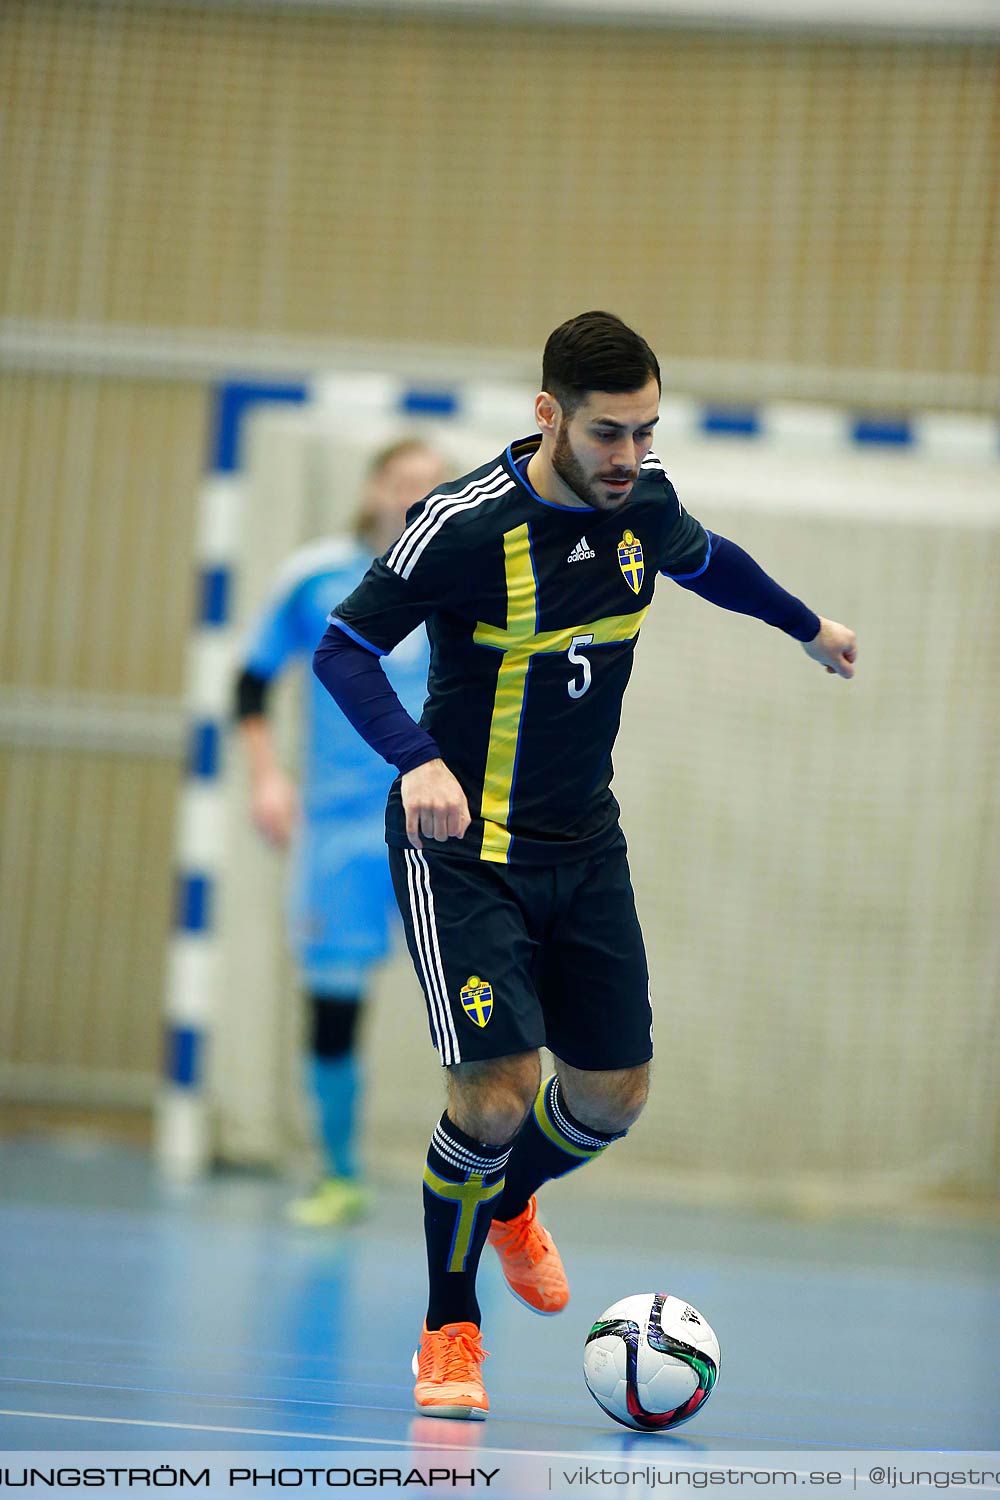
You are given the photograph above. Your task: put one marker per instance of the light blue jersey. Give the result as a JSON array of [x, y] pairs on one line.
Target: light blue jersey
[[341, 903]]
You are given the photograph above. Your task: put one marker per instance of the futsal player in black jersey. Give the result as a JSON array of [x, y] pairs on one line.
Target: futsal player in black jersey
[[533, 575]]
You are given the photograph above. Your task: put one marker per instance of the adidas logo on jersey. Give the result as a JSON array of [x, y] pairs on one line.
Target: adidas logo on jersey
[[581, 551]]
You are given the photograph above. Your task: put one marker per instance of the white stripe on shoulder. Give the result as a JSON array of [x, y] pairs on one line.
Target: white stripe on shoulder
[[654, 465], [430, 505], [447, 512], [437, 510]]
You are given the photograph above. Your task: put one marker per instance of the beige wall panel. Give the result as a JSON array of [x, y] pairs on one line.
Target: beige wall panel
[[741, 197], [96, 562], [828, 882], [86, 865]]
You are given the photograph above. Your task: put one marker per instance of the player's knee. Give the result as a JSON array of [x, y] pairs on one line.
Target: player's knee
[[608, 1102], [489, 1101], [629, 1104]]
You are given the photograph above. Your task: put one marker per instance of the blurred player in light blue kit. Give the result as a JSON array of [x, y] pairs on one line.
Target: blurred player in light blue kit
[[341, 909]]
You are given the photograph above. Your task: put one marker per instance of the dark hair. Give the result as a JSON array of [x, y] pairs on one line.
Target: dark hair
[[595, 351]]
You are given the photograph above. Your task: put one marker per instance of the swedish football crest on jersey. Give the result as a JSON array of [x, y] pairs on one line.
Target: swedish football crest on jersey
[[630, 560], [477, 999]]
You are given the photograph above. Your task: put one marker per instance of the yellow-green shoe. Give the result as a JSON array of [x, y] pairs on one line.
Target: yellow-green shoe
[[335, 1200]]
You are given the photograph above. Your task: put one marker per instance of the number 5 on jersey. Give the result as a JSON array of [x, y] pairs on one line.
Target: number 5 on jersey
[[577, 689]]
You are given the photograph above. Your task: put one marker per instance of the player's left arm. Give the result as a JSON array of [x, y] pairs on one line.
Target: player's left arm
[[723, 573], [834, 647]]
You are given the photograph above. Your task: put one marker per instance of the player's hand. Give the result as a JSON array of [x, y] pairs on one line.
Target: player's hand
[[434, 803], [275, 807], [834, 647]]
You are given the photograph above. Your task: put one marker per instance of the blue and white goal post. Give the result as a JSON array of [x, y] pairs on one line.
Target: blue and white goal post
[[243, 532], [286, 461]]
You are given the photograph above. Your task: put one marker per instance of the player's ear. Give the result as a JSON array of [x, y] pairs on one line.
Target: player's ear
[[547, 413]]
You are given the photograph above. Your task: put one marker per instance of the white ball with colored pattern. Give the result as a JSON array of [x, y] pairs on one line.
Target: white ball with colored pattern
[[651, 1361]]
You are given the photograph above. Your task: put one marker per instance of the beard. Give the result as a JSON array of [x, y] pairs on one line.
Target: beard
[[586, 487]]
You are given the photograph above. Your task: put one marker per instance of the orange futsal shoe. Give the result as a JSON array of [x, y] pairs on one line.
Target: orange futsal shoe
[[447, 1369], [530, 1261]]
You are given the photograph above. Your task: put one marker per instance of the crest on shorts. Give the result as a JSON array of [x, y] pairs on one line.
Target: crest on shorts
[[477, 999], [630, 560]]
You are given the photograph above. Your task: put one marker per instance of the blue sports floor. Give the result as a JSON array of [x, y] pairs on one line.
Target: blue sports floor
[[137, 1318]]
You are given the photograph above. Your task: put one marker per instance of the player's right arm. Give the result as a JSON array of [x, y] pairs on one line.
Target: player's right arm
[[434, 803], [420, 573]]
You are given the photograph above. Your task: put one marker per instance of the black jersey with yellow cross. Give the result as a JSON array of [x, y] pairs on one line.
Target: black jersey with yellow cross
[[533, 610]]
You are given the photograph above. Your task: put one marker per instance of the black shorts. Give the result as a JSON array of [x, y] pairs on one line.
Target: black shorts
[[512, 958]]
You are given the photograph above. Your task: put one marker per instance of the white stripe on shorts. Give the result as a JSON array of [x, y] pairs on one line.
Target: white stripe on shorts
[[425, 933]]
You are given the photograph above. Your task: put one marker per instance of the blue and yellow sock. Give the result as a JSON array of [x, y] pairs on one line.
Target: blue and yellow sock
[[463, 1179], [550, 1143]]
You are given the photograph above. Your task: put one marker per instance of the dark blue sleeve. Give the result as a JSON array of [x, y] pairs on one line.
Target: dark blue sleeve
[[352, 675], [731, 579]]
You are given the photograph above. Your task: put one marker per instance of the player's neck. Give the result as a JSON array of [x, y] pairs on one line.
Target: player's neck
[[546, 482]]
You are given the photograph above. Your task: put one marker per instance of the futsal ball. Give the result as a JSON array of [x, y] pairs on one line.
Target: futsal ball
[[651, 1361]]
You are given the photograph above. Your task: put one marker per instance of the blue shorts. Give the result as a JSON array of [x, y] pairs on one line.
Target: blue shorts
[[341, 909]]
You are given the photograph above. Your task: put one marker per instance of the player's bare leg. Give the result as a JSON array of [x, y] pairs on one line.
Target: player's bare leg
[[490, 1100], [609, 1102], [574, 1117]]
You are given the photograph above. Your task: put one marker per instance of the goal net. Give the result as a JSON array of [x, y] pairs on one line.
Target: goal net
[[815, 861]]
